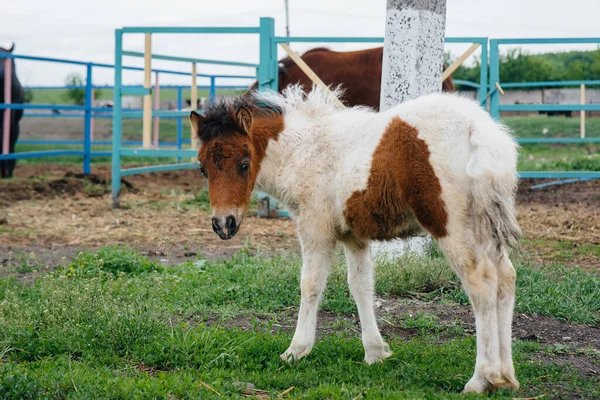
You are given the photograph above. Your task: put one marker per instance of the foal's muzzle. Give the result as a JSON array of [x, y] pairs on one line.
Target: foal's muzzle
[[225, 227]]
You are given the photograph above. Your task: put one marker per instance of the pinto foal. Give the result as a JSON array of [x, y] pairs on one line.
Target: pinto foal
[[438, 163]]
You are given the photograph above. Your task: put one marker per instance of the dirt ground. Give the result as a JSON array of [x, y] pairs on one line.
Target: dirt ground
[[52, 211], [68, 129]]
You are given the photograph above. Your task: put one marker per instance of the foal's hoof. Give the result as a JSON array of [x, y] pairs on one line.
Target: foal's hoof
[[378, 353], [477, 385], [293, 355], [492, 382]]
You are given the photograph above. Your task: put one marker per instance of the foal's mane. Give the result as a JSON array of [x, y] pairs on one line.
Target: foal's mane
[[220, 117], [294, 98]]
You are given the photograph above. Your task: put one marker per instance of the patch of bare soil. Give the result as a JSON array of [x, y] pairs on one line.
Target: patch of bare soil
[[566, 212], [69, 129], [69, 185], [155, 225], [586, 192], [64, 212], [551, 216]]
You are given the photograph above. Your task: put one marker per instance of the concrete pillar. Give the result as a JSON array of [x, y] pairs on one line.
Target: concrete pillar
[[413, 53], [413, 50]]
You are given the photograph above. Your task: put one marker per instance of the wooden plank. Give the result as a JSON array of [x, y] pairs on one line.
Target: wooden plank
[[459, 61], [194, 101], [156, 95], [582, 113], [147, 107]]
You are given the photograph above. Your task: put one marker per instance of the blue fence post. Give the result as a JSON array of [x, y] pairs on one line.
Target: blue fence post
[[212, 94], [266, 72], [483, 74], [179, 120], [494, 77], [267, 79], [274, 66], [117, 120], [87, 122]]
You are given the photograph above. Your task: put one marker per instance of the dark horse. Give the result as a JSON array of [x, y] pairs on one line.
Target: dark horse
[[17, 97], [359, 73]]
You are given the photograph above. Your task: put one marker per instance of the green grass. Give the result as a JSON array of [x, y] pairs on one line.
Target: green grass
[[148, 332], [533, 126], [114, 260], [78, 160], [556, 157], [559, 157], [562, 251], [200, 200]]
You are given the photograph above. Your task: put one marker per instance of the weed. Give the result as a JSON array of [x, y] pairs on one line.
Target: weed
[[114, 260]]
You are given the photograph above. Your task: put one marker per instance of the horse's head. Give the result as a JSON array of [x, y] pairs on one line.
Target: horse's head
[[234, 137]]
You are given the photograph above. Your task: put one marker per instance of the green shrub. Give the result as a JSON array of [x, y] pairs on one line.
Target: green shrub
[[113, 259], [16, 384]]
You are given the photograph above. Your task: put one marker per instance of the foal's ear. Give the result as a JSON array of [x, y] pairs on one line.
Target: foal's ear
[[244, 119], [197, 122]]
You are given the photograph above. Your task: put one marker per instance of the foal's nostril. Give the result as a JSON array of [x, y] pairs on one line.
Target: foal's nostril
[[225, 227], [215, 224], [230, 224]]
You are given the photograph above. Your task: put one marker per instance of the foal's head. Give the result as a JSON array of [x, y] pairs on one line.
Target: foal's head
[[233, 139]]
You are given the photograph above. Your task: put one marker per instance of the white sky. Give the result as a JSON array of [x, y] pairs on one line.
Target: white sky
[[84, 30]]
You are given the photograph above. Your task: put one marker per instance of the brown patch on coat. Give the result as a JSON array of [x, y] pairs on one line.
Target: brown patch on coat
[[402, 186], [264, 129], [222, 156]]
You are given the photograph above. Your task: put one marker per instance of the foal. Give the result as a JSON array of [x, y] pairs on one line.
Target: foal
[[438, 164]]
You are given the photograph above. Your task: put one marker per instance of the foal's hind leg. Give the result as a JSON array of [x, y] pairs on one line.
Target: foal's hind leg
[[360, 280], [506, 301], [480, 281]]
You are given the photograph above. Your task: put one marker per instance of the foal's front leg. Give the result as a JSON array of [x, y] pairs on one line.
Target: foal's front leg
[[317, 254], [360, 281]]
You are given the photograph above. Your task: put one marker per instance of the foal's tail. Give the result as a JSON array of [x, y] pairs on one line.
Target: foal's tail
[[492, 167]]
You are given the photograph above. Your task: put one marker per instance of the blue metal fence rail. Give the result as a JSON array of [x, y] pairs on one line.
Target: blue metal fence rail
[[496, 108], [119, 90], [88, 111]]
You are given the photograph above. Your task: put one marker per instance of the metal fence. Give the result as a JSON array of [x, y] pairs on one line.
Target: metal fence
[[495, 87], [265, 71], [87, 111]]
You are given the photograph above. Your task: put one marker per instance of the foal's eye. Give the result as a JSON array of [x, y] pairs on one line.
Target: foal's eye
[[202, 170], [245, 167]]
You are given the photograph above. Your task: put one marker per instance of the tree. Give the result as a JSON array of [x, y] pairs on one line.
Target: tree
[[518, 66], [28, 96], [76, 91]]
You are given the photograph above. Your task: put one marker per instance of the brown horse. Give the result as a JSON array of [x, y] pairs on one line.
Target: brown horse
[[17, 96], [359, 73]]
